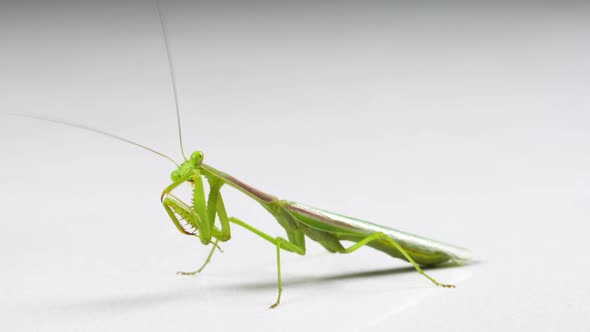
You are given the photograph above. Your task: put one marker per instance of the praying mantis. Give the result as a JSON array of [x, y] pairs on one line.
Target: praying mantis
[[205, 215]]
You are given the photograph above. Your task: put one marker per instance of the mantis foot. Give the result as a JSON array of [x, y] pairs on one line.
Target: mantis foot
[[194, 273], [446, 285]]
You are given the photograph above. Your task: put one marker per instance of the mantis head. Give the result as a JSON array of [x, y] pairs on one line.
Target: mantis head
[[188, 166]]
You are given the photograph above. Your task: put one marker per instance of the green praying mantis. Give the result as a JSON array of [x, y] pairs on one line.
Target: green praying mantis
[[206, 217]]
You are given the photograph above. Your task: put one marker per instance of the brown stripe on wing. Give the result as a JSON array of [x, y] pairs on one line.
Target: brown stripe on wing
[[261, 195], [318, 216]]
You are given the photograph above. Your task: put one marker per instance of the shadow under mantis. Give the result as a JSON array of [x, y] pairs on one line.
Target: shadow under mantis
[[144, 300]]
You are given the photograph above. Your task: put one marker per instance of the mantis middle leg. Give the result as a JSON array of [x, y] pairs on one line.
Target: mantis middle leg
[[280, 243]]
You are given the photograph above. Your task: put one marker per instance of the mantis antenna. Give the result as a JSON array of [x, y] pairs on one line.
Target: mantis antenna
[[172, 76], [94, 130], [104, 133]]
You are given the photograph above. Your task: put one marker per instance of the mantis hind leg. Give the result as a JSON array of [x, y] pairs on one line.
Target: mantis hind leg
[[281, 243], [390, 241]]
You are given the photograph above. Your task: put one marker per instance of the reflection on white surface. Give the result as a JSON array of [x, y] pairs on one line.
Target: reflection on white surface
[[456, 277]]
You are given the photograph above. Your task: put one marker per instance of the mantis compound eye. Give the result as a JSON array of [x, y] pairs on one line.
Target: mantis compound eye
[[197, 157], [175, 175]]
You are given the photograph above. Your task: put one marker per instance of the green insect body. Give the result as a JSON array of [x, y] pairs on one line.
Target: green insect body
[[298, 220]]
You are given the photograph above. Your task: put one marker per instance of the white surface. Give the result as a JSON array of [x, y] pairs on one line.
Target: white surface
[[466, 124]]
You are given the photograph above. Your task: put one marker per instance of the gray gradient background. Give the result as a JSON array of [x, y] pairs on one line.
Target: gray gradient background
[[465, 122]]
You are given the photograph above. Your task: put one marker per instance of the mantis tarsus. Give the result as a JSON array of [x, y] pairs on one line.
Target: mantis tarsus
[[207, 217]]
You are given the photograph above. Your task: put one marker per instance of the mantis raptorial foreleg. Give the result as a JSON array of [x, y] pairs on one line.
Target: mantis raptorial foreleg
[[197, 215], [280, 243], [200, 207], [220, 235], [172, 203], [384, 237]]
